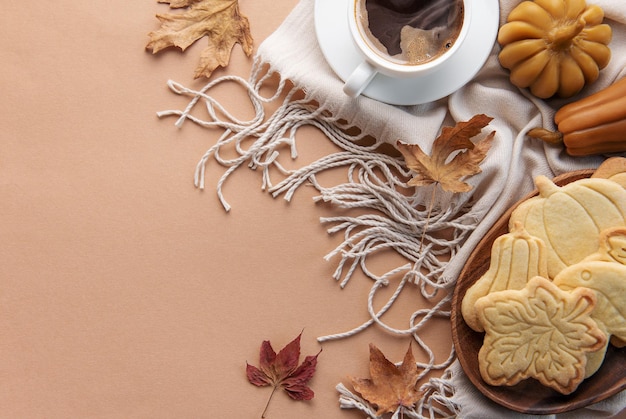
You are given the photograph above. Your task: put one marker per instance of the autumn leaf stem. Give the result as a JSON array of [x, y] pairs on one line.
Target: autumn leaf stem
[[268, 402], [430, 210]]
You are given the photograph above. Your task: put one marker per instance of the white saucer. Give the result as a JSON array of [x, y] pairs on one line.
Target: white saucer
[[333, 35]]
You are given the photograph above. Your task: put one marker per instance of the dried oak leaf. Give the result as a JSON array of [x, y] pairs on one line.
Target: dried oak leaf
[[539, 331], [218, 20], [390, 386], [444, 166], [282, 370]]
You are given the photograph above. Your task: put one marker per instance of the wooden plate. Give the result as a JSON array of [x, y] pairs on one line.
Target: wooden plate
[[529, 396]]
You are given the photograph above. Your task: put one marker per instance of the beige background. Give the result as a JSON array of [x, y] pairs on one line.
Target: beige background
[[125, 292]]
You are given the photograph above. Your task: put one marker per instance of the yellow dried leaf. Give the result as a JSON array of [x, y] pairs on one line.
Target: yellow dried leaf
[[218, 20], [444, 166]]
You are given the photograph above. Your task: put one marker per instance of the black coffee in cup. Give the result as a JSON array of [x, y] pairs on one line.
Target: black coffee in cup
[[410, 32]]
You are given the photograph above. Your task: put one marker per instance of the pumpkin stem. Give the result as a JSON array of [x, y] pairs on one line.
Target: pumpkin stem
[[561, 37], [545, 186], [550, 137], [519, 231]]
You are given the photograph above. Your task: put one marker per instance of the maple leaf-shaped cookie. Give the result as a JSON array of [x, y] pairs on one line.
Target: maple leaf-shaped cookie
[[389, 387], [282, 370], [540, 331], [444, 166], [218, 20]]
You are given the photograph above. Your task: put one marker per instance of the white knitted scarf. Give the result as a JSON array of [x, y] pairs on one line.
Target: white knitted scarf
[[394, 216]]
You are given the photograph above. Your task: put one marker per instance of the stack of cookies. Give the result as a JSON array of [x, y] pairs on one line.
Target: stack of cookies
[[554, 296]]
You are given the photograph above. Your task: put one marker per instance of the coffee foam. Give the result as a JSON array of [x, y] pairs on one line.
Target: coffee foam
[[409, 37]]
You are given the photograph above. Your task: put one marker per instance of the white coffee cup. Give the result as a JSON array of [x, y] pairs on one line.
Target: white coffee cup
[[424, 59]]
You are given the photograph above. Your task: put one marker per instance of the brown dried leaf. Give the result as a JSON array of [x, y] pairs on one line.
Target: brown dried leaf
[[175, 4], [444, 166], [218, 20], [389, 387]]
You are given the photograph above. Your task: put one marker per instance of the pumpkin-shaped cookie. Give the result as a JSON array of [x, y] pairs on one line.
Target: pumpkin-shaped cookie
[[570, 219], [516, 257], [605, 272], [613, 168], [608, 280], [554, 47]]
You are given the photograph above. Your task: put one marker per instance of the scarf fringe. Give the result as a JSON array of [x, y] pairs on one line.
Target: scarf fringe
[[436, 403], [424, 226]]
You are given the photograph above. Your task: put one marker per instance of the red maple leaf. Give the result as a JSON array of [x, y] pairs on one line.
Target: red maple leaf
[[282, 370]]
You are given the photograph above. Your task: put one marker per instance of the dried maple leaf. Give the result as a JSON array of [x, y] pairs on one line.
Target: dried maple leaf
[[218, 20], [282, 370], [390, 387], [175, 4], [441, 167], [539, 331]]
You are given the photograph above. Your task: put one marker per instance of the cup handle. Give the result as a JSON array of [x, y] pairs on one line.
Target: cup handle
[[359, 79]]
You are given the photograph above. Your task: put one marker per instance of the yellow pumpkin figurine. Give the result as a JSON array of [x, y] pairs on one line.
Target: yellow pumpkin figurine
[[554, 47]]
